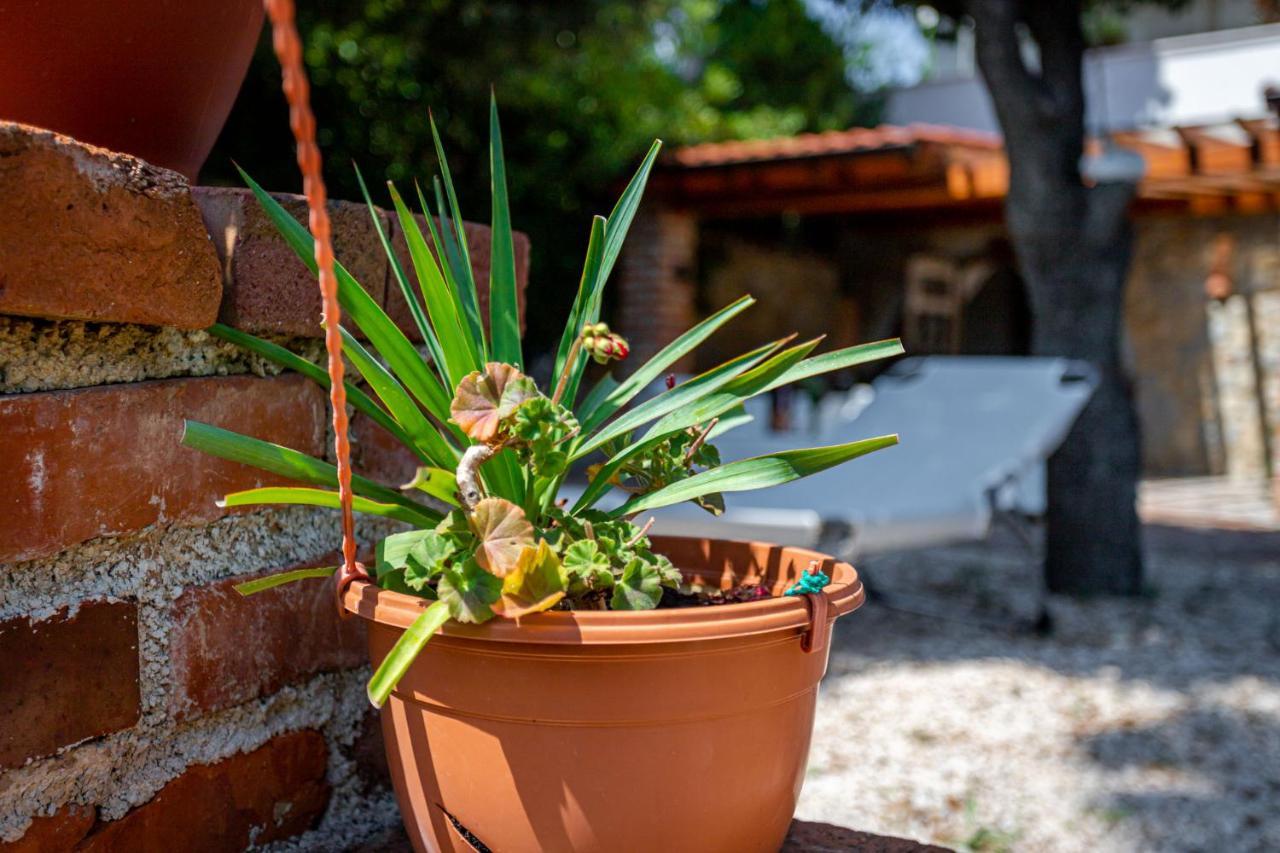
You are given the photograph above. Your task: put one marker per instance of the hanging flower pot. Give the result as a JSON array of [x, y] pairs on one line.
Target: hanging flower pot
[[152, 78], [552, 678], [673, 730]]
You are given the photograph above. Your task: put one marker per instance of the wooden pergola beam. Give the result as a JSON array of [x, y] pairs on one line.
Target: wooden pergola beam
[[1194, 166]]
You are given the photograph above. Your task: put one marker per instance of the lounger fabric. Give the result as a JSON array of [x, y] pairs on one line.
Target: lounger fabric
[[975, 435]]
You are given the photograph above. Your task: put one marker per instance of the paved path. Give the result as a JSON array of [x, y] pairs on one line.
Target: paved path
[[1209, 502]]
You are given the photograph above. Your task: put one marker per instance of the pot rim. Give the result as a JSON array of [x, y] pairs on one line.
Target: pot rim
[[845, 593]]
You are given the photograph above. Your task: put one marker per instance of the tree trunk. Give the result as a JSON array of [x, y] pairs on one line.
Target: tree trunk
[[1075, 277], [1073, 245]]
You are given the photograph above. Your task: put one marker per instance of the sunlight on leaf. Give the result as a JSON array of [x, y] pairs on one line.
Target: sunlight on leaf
[[484, 399], [437, 482], [504, 531], [281, 578]]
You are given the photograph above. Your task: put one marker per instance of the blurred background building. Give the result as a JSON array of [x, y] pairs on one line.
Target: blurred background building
[[870, 233]]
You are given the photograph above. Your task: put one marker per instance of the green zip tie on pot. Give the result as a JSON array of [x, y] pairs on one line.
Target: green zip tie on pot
[[813, 580]]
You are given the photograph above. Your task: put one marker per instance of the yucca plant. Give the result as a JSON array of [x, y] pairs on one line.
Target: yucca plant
[[489, 535]]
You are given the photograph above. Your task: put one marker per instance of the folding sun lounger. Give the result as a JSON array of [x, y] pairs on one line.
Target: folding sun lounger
[[975, 431]]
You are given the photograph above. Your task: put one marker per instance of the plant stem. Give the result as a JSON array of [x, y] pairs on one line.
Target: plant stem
[[641, 534], [468, 474]]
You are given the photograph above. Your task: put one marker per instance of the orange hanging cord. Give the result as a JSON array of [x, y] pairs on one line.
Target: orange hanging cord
[[288, 50]]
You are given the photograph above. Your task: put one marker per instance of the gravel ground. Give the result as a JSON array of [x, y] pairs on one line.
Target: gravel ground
[[1145, 724]]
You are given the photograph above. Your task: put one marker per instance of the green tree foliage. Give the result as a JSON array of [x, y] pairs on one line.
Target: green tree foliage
[[585, 86]]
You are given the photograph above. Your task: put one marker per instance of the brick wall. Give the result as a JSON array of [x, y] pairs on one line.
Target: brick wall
[[144, 705], [657, 281]]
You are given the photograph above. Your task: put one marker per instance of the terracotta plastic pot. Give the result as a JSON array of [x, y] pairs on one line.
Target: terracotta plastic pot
[[667, 730], [152, 78]]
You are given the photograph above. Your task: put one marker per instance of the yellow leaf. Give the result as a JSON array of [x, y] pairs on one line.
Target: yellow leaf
[[535, 584]]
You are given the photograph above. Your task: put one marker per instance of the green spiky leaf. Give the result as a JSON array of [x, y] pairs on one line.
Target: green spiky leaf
[[406, 649], [758, 472]]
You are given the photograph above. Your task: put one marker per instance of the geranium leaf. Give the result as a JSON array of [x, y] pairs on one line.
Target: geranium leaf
[[504, 531], [393, 551], [484, 399], [639, 588], [433, 549], [426, 559], [587, 567], [469, 591], [536, 584]]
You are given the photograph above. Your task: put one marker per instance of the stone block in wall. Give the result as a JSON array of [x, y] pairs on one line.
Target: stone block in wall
[[56, 832], [91, 234], [67, 678], [226, 649], [274, 792], [266, 288], [107, 460], [480, 245]]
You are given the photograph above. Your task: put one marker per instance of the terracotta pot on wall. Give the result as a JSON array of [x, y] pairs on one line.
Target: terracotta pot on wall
[[152, 78], [594, 731]]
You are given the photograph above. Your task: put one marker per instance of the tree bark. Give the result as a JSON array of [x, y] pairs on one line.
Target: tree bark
[[1073, 246]]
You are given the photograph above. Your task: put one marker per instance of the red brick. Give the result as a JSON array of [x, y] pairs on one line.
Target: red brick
[[107, 460], [55, 833], [67, 678], [90, 234], [378, 455], [266, 287], [275, 792], [480, 245], [227, 649]]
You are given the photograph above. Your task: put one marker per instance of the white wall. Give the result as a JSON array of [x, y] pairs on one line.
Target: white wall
[[1208, 78]]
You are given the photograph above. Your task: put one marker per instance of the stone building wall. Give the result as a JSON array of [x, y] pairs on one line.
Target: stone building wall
[[1201, 365], [143, 703]]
